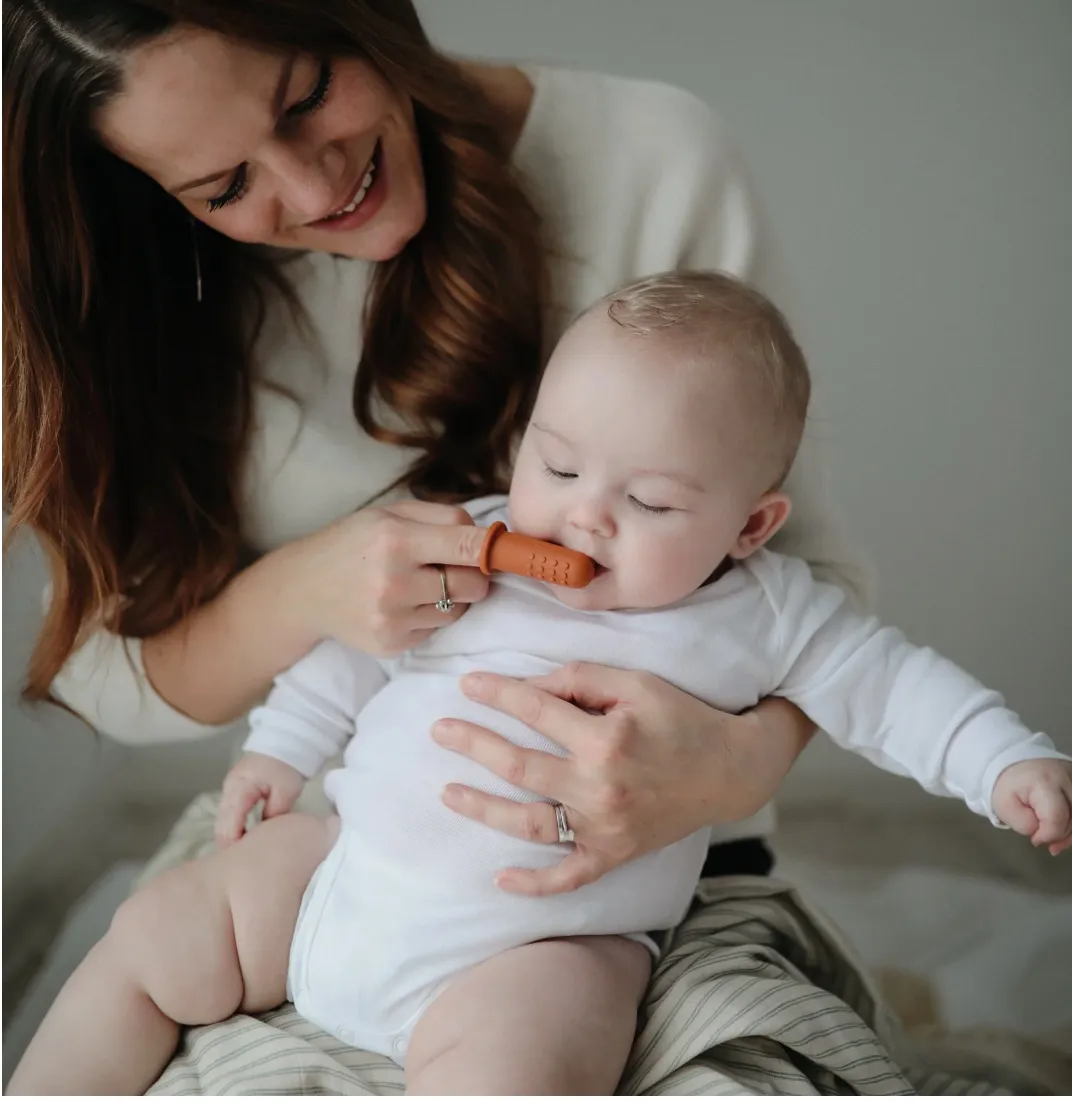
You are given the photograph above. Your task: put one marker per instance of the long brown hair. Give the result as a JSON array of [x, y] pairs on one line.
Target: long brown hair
[[127, 403]]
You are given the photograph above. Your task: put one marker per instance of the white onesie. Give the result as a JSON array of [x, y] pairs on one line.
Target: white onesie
[[406, 898]]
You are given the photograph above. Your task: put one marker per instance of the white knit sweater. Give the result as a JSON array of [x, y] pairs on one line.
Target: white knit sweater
[[629, 178]]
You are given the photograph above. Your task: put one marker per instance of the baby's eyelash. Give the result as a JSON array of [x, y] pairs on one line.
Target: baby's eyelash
[[307, 106], [655, 509], [558, 474]]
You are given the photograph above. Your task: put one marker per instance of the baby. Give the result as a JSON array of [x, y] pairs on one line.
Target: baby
[[666, 421]]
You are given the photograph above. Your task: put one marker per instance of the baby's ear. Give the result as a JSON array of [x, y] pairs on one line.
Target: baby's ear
[[769, 514]]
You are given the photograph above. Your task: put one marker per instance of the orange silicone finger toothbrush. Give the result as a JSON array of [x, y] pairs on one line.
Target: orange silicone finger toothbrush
[[532, 558]]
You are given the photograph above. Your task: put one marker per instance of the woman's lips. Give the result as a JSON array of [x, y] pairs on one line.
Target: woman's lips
[[368, 206]]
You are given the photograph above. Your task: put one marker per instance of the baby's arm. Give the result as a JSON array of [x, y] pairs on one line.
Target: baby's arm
[[308, 716], [913, 712]]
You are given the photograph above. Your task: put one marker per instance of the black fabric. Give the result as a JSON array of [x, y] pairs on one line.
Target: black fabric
[[742, 857]]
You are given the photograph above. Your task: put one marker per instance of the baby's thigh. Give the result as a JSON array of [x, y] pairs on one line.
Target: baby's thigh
[[213, 936], [553, 1017], [266, 875]]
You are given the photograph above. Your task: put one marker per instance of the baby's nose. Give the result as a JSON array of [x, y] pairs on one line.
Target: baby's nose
[[593, 517]]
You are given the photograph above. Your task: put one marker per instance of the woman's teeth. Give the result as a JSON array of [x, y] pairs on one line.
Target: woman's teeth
[[362, 191]]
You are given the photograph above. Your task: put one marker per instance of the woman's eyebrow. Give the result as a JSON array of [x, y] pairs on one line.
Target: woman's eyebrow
[[277, 109]]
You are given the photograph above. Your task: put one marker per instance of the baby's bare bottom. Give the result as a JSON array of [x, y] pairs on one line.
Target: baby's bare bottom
[[553, 1017], [194, 946]]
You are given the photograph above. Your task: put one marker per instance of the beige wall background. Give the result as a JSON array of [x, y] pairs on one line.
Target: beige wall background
[[914, 160]]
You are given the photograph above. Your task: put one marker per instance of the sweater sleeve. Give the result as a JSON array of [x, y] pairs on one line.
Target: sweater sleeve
[[309, 714], [905, 708], [718, 223], [104, 681]]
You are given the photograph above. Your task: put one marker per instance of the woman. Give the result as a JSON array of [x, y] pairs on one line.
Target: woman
[[272, 271]]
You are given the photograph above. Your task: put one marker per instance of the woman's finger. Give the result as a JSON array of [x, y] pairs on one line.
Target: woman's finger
[[556, 719], [531, 770], [579, 868], [588, 685], [429, 512], [427, 618], [440, 533], [452, 544], [465, 585], [532, 822]]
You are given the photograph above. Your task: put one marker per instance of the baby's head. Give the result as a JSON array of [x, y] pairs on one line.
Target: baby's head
[[666, 421]]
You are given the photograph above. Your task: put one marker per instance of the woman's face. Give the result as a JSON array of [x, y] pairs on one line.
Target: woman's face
[[277, 149]]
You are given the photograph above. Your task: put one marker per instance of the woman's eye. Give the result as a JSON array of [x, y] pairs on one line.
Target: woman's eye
[[317, 96], [236, 190], [656, 509], [558, 474], [314, 100]]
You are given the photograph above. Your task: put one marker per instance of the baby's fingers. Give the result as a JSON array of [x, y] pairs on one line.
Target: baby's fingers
[[1054, 812], [236, 801], [1018, 814]]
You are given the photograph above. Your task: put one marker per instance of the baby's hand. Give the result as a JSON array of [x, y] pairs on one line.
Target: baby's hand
[[253, 778], [1035, 798]]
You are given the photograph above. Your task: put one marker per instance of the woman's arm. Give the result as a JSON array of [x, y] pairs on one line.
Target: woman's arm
[[366, 580], [220, 661], [652, 767], [198, 676]]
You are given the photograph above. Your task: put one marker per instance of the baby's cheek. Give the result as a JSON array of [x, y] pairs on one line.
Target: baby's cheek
[[527, 506], [665, 571]]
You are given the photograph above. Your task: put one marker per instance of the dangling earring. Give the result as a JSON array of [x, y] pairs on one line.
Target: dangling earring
[[197, 256]]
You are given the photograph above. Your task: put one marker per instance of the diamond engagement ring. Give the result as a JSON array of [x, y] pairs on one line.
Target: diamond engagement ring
[[444, 604], [564, 832]]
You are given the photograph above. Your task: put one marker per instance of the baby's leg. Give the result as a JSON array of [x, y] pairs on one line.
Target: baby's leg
[[553, 1017], [193, 946]]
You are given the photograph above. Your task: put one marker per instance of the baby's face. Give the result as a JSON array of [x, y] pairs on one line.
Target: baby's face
[[635, 457]]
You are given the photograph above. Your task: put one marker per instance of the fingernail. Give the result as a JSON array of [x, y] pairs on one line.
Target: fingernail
[[452, 795], [443, 730], [474, 684]]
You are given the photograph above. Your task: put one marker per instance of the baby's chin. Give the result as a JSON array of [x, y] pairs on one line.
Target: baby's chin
[[604, 594], [600, 595]]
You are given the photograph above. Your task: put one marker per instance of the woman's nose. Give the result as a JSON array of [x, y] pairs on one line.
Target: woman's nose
[[309, 183]]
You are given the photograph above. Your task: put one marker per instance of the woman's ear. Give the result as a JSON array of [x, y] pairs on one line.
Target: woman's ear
[[769, 514]]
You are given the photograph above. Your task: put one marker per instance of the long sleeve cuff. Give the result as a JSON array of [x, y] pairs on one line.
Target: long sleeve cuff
[[290, 741]]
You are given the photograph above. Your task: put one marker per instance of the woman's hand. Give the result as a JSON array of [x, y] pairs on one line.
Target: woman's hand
[[651, 767], [371, 580], [368, 580]]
